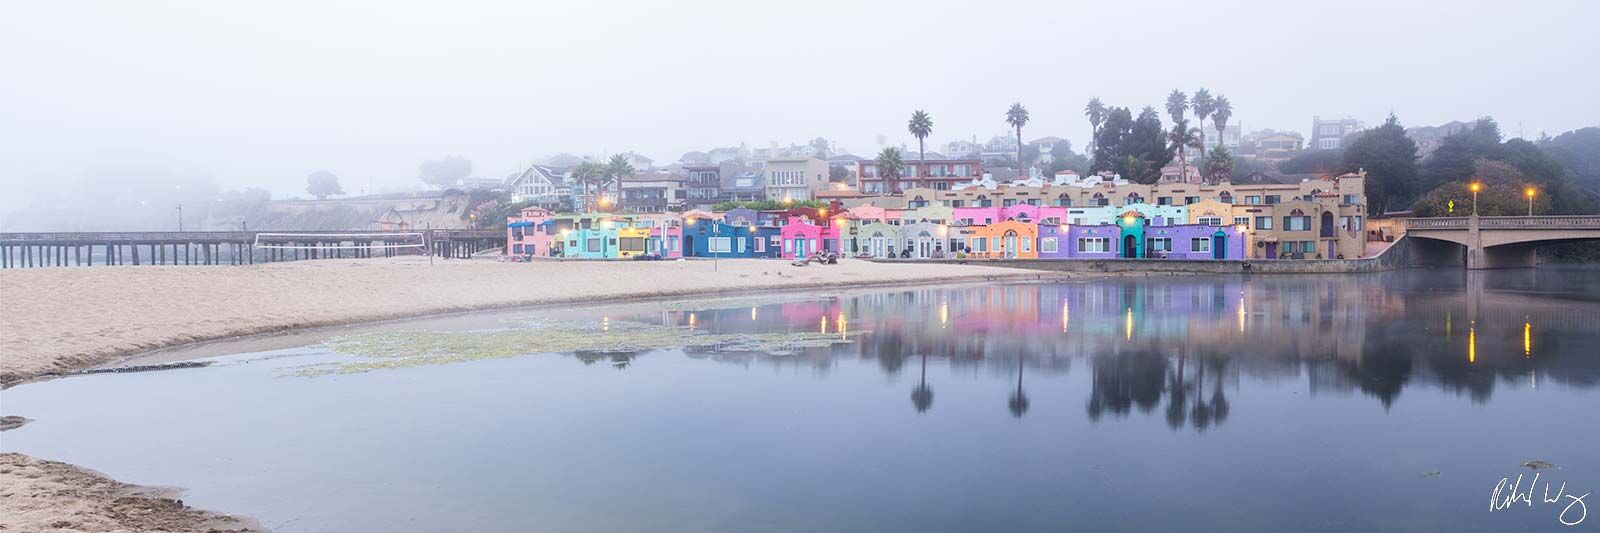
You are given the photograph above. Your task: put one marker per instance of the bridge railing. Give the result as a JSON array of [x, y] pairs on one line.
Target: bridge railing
[[124, 237], [1536, 222]]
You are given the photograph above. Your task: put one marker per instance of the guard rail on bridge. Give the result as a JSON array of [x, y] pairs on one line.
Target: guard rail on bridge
[[1538, 222]]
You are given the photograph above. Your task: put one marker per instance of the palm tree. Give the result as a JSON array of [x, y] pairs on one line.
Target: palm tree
[[889, 167], [1204, 105], [1220, 116], [586, 174], [921, 125], [1183, 136], [1096, 112], [1177, 105], [616, 170], [922, 395], [1017, 117]]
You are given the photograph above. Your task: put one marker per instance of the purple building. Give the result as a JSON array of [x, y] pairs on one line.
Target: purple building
[[1111, 241]]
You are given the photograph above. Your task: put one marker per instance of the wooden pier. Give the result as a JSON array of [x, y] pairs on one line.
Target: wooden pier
[[61, 249]]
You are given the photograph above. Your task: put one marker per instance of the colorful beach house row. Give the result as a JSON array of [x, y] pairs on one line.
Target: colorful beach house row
[[1038, 232], [537, 232], [930, 232]]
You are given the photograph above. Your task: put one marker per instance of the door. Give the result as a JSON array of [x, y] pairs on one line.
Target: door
[[1130, 247], [1272, 250], [688, 247], [1011, 245], [1219, 246]]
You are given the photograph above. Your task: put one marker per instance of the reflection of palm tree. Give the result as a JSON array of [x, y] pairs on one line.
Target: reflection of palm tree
[[922, 396], [1019, 401], [1202, 411], [1178, 398], [1219, 401]]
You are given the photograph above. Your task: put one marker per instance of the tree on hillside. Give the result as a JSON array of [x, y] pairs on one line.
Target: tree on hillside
[[822, 147], [1219, 165], [1579, 151], [1148, 142], [323, 184], [1096, 111], [890, 165], [1109, 149], [1456, 156], [1017, 117], [1496, 199], [1390, 159], [443, 173], [921, 125], [1320, 162]]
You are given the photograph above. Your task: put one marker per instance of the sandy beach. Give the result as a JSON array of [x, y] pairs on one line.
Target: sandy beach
[[58, 320]]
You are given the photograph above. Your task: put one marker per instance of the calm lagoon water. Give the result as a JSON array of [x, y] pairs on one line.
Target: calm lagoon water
[[1343, 403]]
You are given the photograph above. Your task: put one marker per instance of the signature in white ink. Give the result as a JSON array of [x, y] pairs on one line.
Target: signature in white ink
[[1507, 493]]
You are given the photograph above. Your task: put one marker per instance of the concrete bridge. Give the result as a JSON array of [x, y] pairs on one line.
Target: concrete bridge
[[1494, 242]]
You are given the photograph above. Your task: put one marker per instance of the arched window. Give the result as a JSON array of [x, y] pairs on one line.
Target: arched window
[[1226, 197], [1064, 200], [1297, 213], [1133, 198], [1100, 199]]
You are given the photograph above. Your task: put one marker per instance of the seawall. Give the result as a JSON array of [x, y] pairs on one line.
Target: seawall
[[1396, 256]]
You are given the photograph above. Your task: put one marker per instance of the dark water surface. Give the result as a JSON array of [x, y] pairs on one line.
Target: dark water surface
[[1342, 403]]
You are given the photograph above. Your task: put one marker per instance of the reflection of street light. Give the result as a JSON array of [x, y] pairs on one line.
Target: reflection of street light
[[1476, 186], [1529, 192]]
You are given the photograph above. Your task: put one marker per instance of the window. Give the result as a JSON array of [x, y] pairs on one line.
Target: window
[[1355, 223], [672, 243], [1163, 200], [1350, 199], [720, 245], [1252, 200], [1200, 244], [1273, 199], [1210, 221], [1226, 197], [632, 244], [761, 245], [1241, 221], [1159, 244], [1297, 223], [594, 245], [1008, 202], [1027, 245], [1263, 222], [1191, 200], [788, 246], [1047, 245], [980, 244], [1328, 144], [516, 249]]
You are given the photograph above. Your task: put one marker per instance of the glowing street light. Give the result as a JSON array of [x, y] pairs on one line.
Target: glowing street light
[[1529, 192], [1476, 186]]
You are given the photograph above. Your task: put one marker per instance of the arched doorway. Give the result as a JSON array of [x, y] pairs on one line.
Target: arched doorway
[[1219, 245], [1010, 250], [1327, 224], [924, 245], [1130, 247], [878, 246], [688, 246]]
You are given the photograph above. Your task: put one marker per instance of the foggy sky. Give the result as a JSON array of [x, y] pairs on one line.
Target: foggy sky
[[260, 94]]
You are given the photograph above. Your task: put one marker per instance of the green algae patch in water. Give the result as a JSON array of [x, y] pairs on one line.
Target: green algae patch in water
[[407, 349]]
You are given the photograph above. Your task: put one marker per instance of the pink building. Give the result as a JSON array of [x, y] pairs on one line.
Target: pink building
[[525, 233], [802, 238]]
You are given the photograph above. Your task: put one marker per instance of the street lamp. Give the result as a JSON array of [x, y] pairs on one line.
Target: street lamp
[[1476, 186], [1529, 192]]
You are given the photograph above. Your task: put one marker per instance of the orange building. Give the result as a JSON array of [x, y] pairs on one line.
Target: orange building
[[1003, 240]]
